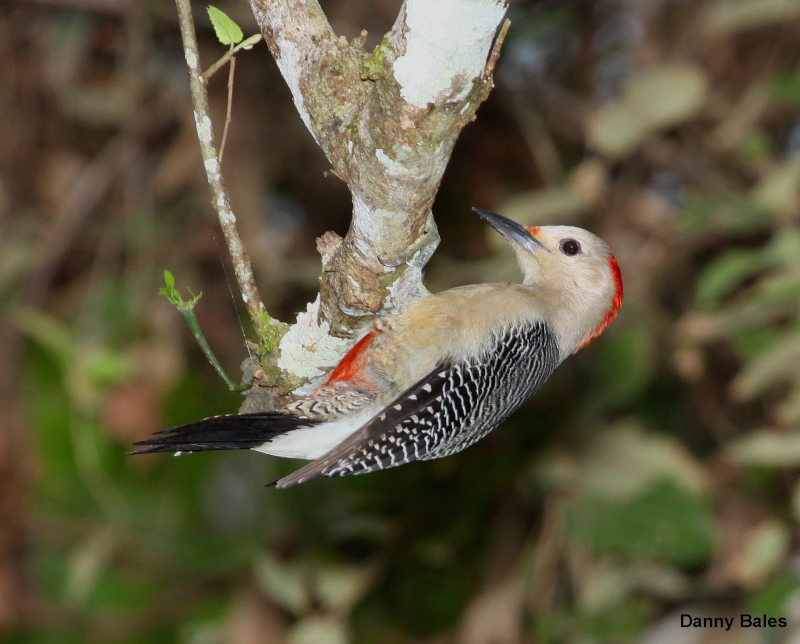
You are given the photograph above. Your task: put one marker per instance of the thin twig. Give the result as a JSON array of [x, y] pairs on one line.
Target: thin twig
[[217, 66], [247, 43], [228, 111], [187, 311], [264, 326], [498, 45]]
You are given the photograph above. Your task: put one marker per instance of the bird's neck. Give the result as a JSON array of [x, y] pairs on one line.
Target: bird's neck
[[573, 314]]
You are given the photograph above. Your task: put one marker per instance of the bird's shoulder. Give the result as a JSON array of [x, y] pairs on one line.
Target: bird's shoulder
[[457, 324], [495, 303]]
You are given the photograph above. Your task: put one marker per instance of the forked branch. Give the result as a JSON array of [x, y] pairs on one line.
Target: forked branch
[[387, 121]]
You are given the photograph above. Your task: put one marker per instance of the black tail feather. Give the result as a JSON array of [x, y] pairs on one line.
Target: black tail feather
[[237, 431]]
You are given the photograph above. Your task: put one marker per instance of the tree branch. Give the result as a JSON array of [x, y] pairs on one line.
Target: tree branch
[[247, 43], [387, 121], [268, 330]]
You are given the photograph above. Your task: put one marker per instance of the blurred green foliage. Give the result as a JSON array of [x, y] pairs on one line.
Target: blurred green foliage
[[662, 523], [655, 473]]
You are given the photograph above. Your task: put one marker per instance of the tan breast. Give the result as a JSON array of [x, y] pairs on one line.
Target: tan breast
[[456, 324]]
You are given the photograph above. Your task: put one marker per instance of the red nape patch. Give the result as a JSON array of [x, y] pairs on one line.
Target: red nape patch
[[534, 230], [616, 274], [354, 360]]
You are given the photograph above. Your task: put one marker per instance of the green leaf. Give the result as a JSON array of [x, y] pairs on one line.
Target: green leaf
[[174, 295], [724, 274], [105, 367], [623, 364], [778, 191], [663, 523], [660, 97], [774, 366], [784, 248], [251, 42], [771, 598], [228, 32], [757, 147], [751, 342], [47, 331], [726, 212], [786, 87]]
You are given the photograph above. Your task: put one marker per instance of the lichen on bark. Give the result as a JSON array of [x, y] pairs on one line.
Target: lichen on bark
[[390, 152]]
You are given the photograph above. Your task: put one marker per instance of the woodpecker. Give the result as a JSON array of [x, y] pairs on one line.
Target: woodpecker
[[436, 376]]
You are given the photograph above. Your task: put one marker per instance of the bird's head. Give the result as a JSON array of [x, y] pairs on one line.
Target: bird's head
[[573, 271]]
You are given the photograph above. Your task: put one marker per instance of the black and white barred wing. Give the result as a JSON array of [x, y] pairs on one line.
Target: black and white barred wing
[[446, 411]]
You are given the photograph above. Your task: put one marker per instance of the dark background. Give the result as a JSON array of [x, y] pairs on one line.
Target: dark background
[[655, 474]]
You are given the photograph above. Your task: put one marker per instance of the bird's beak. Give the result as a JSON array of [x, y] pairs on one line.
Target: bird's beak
[[511, 230]]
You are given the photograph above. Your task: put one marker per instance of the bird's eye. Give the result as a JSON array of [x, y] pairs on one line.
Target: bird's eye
[[570, 247]]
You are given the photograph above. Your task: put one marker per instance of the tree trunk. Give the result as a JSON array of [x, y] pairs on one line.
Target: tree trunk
[[387, 121]]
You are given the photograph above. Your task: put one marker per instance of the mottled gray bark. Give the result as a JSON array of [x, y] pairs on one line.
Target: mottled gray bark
[[387, 120]]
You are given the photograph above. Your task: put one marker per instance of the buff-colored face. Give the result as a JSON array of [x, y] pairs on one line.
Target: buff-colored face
[[567, 255], [574, 274], [581, 276]]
